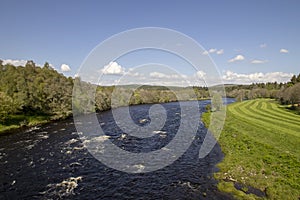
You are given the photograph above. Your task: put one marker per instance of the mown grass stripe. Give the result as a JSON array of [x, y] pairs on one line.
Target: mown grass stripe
[[267, 135], [282, 110], [259, 125], [272, 107], [248, 114], [281, 118], [273, 114], [271, 119], [257, 120]]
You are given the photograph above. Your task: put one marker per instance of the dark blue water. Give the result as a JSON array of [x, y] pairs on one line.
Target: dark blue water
[[51, 162]]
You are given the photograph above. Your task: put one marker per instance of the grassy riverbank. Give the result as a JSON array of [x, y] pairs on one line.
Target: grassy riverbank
[[260, 141], [17, 121]]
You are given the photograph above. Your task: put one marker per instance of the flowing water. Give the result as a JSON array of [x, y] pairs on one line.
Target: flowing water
[[51, 162]]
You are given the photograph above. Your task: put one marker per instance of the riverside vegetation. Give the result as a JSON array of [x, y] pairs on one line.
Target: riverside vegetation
[[260, 140], [32, 94]]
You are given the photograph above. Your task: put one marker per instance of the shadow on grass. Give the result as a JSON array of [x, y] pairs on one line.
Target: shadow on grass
[[294, 109], [21, 120]]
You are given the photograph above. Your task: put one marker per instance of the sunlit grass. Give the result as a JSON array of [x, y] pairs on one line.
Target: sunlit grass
[[261, 142]]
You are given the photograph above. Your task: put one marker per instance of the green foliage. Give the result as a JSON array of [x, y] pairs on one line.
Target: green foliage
[[7, 107], [260, 141], [15, 121], [35, 90], [279, 91], [290, 95]]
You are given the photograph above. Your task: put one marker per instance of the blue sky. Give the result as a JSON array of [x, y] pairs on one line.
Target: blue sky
[[262, 36]]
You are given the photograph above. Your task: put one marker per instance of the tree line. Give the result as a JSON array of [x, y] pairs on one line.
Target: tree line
[[286, 93], [35, 90]]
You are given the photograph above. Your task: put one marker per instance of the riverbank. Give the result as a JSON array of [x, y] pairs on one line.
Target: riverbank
[[17, 121], [260, 140], [20, 121]]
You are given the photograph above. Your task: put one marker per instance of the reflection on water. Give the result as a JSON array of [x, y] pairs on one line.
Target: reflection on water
[[51, 162]]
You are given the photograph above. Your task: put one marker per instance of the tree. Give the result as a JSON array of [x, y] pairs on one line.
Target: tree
[[294, 80], [295, 94], [298, 78], [6, 107], [47, 65]]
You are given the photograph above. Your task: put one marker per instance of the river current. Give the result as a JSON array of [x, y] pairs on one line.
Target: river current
[[51, 162]]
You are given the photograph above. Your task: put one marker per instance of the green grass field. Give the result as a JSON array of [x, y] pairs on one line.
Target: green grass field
[[16, 121], [261, 143]]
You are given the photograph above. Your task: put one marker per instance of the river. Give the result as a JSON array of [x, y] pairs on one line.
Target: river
[[51, 162]]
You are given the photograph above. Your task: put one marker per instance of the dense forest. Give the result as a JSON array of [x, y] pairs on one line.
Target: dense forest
[[35, 90]]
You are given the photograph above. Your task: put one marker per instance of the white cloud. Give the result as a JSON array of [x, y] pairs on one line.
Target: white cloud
[[113, 68], [211, 51], [158, 75], [263, 45], [205, 53], [65, 68], [221, 51], [284, 51], [200, 74], [21, 63], [257, 61], [237, 58], [15, 62], [258, 77]]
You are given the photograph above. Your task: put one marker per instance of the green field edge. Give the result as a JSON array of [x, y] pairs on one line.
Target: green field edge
[[284, 184]]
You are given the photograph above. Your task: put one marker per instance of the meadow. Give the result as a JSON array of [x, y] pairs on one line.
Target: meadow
[[261, 143]]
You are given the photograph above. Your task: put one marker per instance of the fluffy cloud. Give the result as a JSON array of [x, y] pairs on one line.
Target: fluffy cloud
[[158, 75], [200, 74], [256, 61], [221, 51], [113, 68], [232, 77], [15, 62], [263, 45], [65, 68], [237, 58], [211, 51], [205, 53], [284, 51]]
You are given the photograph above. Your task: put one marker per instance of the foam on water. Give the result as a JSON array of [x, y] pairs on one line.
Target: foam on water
[[64, 188]]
